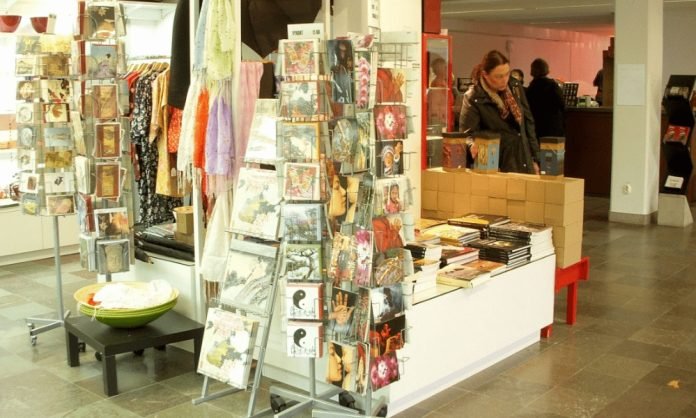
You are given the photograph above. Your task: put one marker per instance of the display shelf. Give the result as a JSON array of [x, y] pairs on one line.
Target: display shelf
[[152, 11]]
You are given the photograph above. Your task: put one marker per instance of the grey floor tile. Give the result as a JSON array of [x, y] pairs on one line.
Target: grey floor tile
[[648, 400]]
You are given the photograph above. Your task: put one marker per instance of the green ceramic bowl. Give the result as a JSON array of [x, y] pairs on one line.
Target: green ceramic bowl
[[122, 318]]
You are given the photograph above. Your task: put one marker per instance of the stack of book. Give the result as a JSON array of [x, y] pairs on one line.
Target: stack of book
[[492, 267], [453, 234], [479, 221], [536, 235], [512, 254], [424, 278], [424, 250], [457, 255], [462, 276]]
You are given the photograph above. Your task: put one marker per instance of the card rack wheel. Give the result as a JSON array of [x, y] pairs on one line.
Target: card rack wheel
[[138, 353], [347, 400], [98, 355], [277, 403], [32, 338], [382, 411], [81, 346]]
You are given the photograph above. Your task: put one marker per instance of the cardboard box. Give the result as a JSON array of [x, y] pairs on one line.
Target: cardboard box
[[429, 179], [497, 187], [565, 236], [479, 204], [429, 199], [442, 214], [562, 215], [497, 206], [536, 190], [185, 238], [445, 201], [462, 183], [184, 219], [567, 256], [534, 212], [445, 182], [479, 184], [565, 190], [462, 204], [429, 214], [516, 188], [516, 210]]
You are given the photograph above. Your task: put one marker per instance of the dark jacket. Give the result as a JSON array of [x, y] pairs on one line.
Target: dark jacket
[[519, 147], [545, 99]]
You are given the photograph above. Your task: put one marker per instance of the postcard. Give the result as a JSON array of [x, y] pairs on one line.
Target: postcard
[[392, 195], [108, 180], [27, 90], [102, 22], [302, 222], [391, 85], [84, 175], [60, 204], [341, 369], [58, 159], [113, 256], [101, 61], [30, 203], [387, 302], [256, 208], [343, 255], [27, 135], [340, 54], [262, 137], [55, 65], [302, 262], [26, 160], [344, 138], [300, 57], [298, 141], [63, 182], [363, 255], [57, 137], [343, 304], [28, 182], [26, 66], [112, 222], [28, 45], [108, 140], [25, 113], [305, 339], [384, 370], [56, 112], [105, 101], [391, 122], [249, 275], [304, 300], [301, 181], [85, 213], [390, 160], [55, 91]]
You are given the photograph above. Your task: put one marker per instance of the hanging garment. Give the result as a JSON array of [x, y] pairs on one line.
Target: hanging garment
[[180, 56], [217, 239], [250, 74], [219, 150], [220, 40], [174, 129], [184, 162]]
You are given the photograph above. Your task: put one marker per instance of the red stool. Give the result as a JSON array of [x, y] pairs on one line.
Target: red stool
[[569, 277]]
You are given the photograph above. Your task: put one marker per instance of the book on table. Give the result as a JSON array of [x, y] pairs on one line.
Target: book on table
[[462, 276]]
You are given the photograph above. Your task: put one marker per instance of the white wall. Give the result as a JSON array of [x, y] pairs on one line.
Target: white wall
[[572, 56], [679, 48]]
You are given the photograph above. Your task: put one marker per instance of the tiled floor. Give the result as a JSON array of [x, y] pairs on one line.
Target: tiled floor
[[632, 352]]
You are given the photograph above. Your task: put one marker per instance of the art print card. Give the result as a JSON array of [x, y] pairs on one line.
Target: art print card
[[364, 202], [55, 65], [108, 140], [393, 196], [25, 113], [55, 112], [340, 53], [78, 134], [301, 181], [84, 175], [26, 160], [343, 303], [363, 314], [363, 255], [364, 80], [85, 213], [61, 159], [227, 349], [303, 101], [27, 90], [389, 271], [302, 262], [28, 45], [384, 370], [63, 182], [262, 137], [388, 335], [343, 256], [304, 300], [298, 141], [305, 339], [341, 368], [102, 22], [58, 137], [256, 208], [300, 57], [112, 222], [102, 61], [27, 136], [88, 255], [60, 204], [387, 302], [28, 182], [391, 122], [360, 159], [108, 180], [302, 222], [391, 85], [113, 256], [344, 138], [26, 66], [105, 101], [362, 371], [249, 275], [390, 158], [55, 44], [55, 91], [29, 203]]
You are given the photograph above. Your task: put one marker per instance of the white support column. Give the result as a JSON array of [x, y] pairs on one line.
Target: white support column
[[637, 96]]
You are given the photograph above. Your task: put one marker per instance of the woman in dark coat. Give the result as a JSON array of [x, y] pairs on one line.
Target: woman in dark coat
[[496, 102], [545, 99]]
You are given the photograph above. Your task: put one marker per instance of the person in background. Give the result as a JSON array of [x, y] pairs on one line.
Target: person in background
[[545, 99], [518, 75], [496, 102], [599, 83]]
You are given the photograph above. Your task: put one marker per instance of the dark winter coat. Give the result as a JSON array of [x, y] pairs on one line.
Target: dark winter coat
[[519, 147], [546, 102]]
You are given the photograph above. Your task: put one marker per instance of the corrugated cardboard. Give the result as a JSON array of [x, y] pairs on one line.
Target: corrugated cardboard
[[534, 212], [516, 210], [516, 188], [567, 256], [562, 215], [462, 183], [184, 219], [429, 179], [429, 214], [565, 190], [497, 186], [445, 201], [479, 204], [479, 184], [462, 204], [497, 206], [429, 199], [565, 236], [441, 214], [445, 182], [536, 190]]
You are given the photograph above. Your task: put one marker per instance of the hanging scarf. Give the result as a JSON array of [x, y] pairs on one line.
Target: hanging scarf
[[504, 100]]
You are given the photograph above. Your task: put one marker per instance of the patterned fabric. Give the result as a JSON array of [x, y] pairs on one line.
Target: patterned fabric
[[153, 208], [199, 132], [174, 131], [504, 100], [220, 39]]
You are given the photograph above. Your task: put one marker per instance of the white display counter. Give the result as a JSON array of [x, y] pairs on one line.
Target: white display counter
[[452, 335]]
